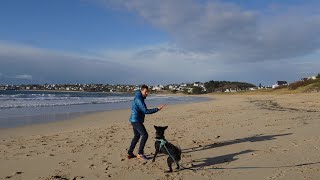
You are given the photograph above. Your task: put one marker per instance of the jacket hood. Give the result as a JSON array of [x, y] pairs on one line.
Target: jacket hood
[[138, 94]]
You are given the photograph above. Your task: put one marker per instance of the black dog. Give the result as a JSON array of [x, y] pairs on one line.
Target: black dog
[[163, 146]]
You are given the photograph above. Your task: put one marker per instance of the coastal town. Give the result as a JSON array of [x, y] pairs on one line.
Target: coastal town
[[195, 88], [183, 87], [187, 88]]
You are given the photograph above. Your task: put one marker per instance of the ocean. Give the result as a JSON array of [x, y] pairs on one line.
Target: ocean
[[20, 108]]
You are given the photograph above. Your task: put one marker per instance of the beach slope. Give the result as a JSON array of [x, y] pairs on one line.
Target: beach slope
[[229, 137]]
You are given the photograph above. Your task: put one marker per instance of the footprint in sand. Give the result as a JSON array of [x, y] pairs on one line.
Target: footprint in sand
[[63, 177], [77, 177], [294, 144], [14, 174], [278, 175], [92, 166], [57, 177], [22, 147], [186, 155], [63, 164]]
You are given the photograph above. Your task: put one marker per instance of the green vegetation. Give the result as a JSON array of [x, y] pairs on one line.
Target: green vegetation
[[311, 85], [220, 86], [197, 90], [315, 87], [299, 84]]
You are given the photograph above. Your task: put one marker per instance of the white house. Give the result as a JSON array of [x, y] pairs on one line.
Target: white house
[[312, 77], [308, 78], [279, 83], [173, 87], [157, 88], [204, 88]]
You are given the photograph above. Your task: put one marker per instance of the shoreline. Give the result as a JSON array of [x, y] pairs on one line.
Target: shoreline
[[19, 117], [65, 91], [82, 121], [79, 117], [130, 92]]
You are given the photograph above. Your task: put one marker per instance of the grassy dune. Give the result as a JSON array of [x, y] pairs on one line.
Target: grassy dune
[[294, 88]]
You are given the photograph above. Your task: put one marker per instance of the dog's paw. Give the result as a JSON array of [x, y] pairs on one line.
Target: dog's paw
[[169, 171]]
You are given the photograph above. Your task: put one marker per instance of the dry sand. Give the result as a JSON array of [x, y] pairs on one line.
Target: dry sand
[[231, 137]]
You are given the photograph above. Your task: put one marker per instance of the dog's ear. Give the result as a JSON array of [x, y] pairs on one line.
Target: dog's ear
[[165, 127], [155, 126]]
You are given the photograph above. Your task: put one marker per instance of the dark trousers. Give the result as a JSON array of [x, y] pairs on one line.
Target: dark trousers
[[138, 130]]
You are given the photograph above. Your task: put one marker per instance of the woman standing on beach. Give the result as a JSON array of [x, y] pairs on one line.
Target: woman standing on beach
[[138, 112]]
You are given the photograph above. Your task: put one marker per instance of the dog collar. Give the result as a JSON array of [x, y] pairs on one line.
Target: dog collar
[[162, 142]]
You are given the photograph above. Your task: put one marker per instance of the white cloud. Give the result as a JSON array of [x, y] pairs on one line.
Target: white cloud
[[47, 66], [233, 33], [164, 60], [23, 76], [209, 40], [161, 63], [21, 50], [182, 65]]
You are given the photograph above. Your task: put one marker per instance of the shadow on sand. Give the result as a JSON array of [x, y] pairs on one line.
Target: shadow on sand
[[204, 162], [270, 167], [256, 138]]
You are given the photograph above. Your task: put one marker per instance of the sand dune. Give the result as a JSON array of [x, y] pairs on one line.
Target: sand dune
[[231, 137]]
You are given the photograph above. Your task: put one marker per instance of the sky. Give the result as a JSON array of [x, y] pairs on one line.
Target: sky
[[158, 42]]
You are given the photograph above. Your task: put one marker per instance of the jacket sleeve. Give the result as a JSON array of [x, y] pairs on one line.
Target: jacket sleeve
[[144, 109]]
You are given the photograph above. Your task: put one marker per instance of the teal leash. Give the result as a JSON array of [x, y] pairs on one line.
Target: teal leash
[[163, 144]]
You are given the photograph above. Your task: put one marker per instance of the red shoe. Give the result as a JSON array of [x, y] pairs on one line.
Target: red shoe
[[130, 156]]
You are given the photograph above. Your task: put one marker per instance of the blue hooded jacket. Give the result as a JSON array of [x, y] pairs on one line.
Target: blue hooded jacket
[[139, 108]]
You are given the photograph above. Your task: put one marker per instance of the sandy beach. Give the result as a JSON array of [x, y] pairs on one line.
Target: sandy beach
[[229, 137]]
